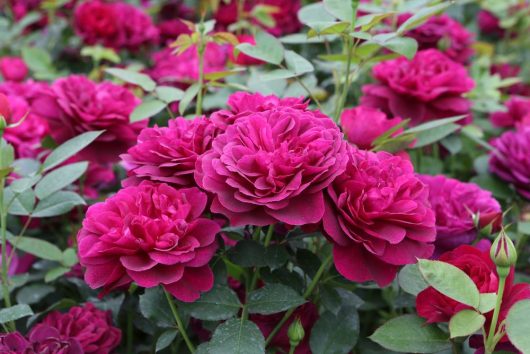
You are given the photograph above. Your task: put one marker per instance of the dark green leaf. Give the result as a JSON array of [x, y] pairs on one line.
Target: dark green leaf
[[335, 333], [55, 273], [34, 293], [154, 307], [498, 188], [248, 253], [411, 334], [220, 303], [273, 298], [166, 339], [237, 336], [427, 137], [37, 247]]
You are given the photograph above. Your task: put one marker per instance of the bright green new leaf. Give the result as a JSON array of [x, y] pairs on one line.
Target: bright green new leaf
[[465, 323], [450, 281]]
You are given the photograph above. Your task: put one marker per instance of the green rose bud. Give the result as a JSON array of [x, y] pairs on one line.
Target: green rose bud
[[295, 333], [503, 252]]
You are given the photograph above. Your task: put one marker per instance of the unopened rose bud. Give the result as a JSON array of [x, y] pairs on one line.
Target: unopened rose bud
[[503, 252], [296, 333], [5, 111]]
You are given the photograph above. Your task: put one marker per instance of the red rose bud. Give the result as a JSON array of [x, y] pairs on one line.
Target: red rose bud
[[296, 333], [503, 252], [5, 111], [492, 219]]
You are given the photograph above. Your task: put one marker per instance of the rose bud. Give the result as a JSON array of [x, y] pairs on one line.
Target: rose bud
[[503, 253], [296, 333], [5, 110]]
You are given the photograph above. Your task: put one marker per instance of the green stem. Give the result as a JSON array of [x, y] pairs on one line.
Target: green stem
[[292, 349], [490, 343], [200, 49], [268, 237], [130, 332], [180, 324], [346, 86], [323, 267]]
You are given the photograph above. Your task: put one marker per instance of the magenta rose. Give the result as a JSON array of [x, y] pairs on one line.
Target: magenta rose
[[517, 114], [114, 24], [91, 327], [454, 204], [362, 125], [442, 32], [13, 343], [428, 87], [241, 104], [75, 105], [168, 154], [489, 24], [26, 138], [151, 234], [48, 340], [511, 159], [285, 17], [183, 69], [13, 69], [378, 217], [272, 166]]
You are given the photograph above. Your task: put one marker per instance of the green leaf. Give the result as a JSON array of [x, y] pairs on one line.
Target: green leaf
[[297, 63], [248, 253], [58, 203], [55, 273], [169, 94], [133, 77], [34, 293], [276, 256], [268, 48], [39, 62], [450, 281], [465, 323], [59, 178], [69, 148], [421, 16], [518, 326], [411, 280], [367, 22], [433, 135], [146, 109], [434, 124], [99, 53], [411, 334], [335, 333], [487, 302], [220, 303], [402, 45], [22, 184], [14, 313], [273, 298], [154, 307], [341, 9], [189, 95], [70, 257], [498, 188], [37, 247], [322, 28], [277, 75], [21, 204], [314, 13], [166, 339], [237, 336]]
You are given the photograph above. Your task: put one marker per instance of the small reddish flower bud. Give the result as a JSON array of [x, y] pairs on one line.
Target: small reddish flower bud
[[503, 252]]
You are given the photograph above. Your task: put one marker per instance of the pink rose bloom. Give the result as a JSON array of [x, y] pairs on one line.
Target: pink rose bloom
[[46, 339], [168, 154], [13, 343], [442, 32], [378, 217], [489, 24], [26, 138], [74, 105], [151, 234], [182, 70], [272, 166], [241, 58], [454, 204], [91, 327], [116, 24], [506, 70], [428, 87], [241, 104], [517, 114], [362, 125], [13, 69], [511, 159]]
